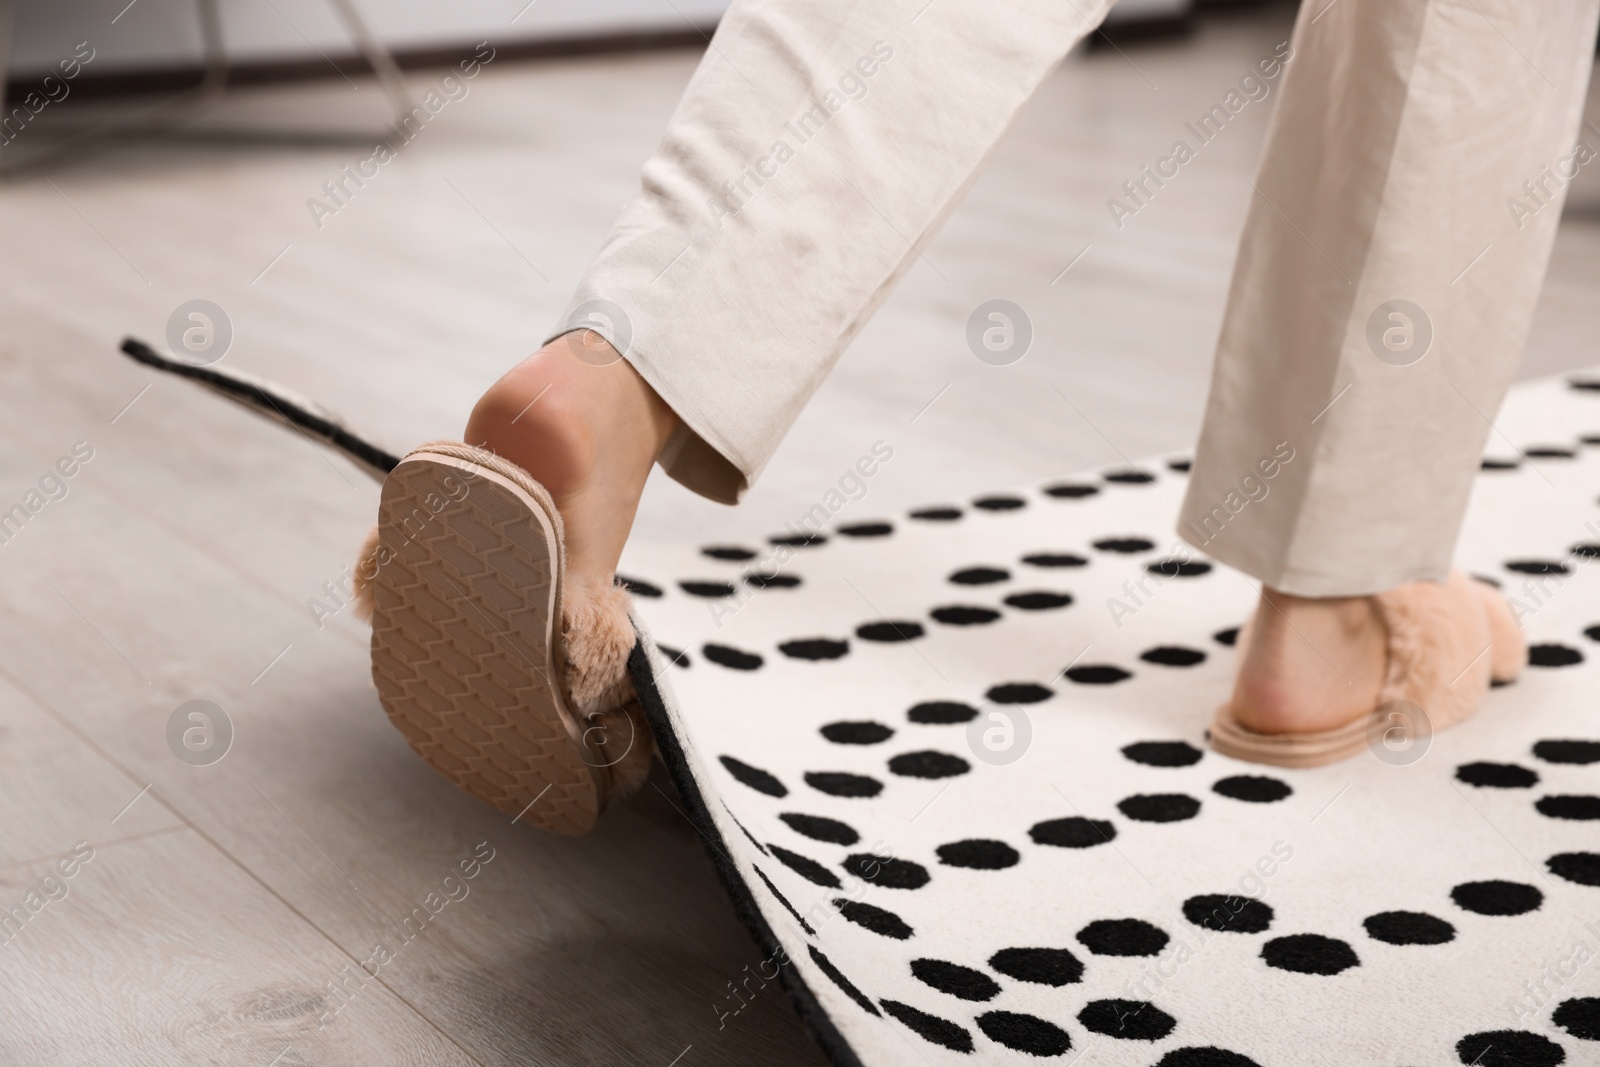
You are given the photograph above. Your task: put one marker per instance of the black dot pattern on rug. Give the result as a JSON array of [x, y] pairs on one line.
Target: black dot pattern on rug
[[1228, 914], [964, 615], [937, 514], [1178, 568], [1074, 831], [709, 589], [928, 764], [1018, 693], [837, 977], [732, 658], [1580, 867], [675, 656], [1038, 600], [1592, 633], [1509, 1048], [1553, 655], [930, 1028], [1568, 751], [857, 733], [1173, 656], [784, 900], [1125, 546], [801, 540], [1130, 476], [979, 854], [1579, 1017], [1309, 954], [1550, 452], [1159, 807], [1489, 464], [1495, 897], [639, 587], [1055, 559], [1408, 928], [754, 777], [1039, 966], [728, 552], [871, 917], [759, 580], [1586, 550], [1252, 788], [820, 828], [1497, 775], [1071, 490], [888, 872], [890, 632], [865, 529], [1129, 1020], [952, 978], [1163, 753], [1229, 637], [843, 784], [941, 713], [1000, 503], [1123, 937], [980, 576], [814, 648], [1182, 466], [1024, 1033], [1538, 566], [1569, 806], [1096, 674], [1205, 1056], [805, 867]]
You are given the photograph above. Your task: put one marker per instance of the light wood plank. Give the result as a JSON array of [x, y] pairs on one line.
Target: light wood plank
[[161, 951]]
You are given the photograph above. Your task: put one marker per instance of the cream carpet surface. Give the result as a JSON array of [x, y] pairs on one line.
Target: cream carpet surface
[[952, 766]]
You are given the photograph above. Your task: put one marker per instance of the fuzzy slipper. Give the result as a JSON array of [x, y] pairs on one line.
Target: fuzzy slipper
[[1447, 643], [503, 676]]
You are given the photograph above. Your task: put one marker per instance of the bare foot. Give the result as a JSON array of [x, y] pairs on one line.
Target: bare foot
[[1310, 664], [578, 417]]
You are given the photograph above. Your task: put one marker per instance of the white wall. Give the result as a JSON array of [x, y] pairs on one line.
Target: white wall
[[166, 33]]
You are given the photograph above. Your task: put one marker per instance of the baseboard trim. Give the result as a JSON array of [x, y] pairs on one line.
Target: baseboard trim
[[267, 72]]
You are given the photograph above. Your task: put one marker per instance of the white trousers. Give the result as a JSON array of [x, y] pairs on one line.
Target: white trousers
[[1391, 259]]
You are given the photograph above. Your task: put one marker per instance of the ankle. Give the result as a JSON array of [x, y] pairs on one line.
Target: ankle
[[531, 417], [1310, 663], [588, 429], [550, 413], [1279, 613]]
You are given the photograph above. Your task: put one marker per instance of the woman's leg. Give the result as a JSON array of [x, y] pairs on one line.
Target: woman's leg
[[817, 145], [1397, 239]]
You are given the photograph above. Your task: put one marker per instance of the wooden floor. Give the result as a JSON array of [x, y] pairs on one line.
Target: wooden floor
[[227, 910]]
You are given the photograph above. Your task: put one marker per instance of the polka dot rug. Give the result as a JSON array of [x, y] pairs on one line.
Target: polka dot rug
[[951, 764]]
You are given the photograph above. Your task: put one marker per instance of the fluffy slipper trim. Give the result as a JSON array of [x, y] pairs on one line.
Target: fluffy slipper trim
[[1443, 642], [597, 636], [366, 577], [1508, 653], [622, 737]]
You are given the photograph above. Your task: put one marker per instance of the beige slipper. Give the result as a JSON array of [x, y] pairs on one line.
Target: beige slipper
[[1447, 642], [504, 677]]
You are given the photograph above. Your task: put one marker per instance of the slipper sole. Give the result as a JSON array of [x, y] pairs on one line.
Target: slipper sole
[[464, 652]]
